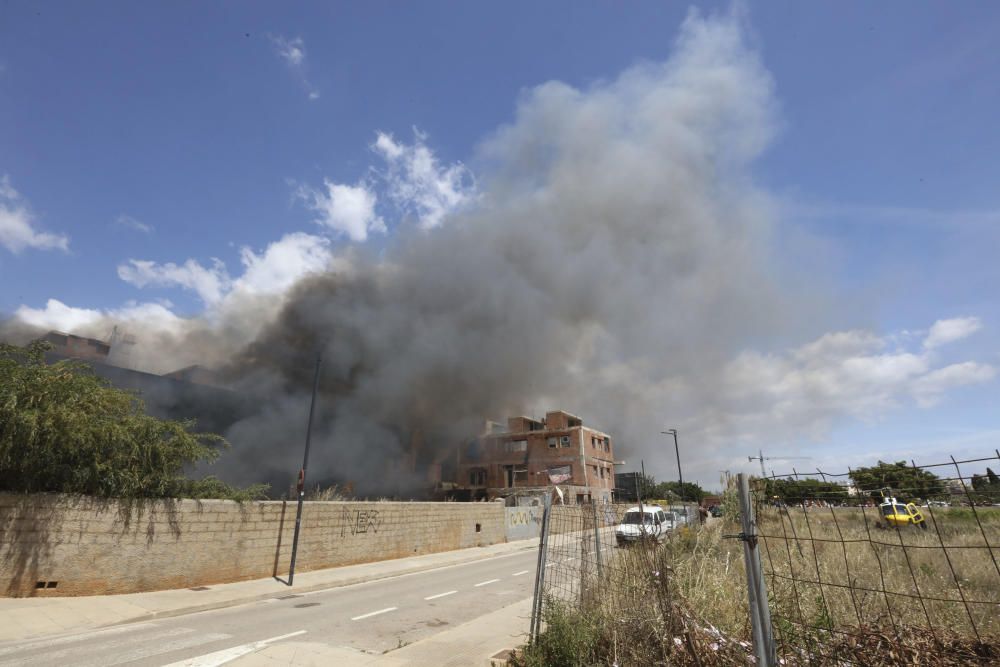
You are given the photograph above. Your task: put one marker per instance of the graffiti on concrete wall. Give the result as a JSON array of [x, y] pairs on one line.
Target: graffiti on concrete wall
[[523, 522], [521, 516], [360, 522]]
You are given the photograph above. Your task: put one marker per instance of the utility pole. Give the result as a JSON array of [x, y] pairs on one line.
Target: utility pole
[[638, 494], [677, 451], [302, 472]]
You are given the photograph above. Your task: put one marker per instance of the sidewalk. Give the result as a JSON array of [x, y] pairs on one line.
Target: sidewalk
[[470, 644], [26, 618]]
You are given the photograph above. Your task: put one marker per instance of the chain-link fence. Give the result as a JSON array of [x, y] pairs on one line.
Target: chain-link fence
[[608, 564], [802, 574], [871, 576]]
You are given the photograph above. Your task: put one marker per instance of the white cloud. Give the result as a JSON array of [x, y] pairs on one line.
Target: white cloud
[[17, 230], [283, 263], [947, 331], [57, 315], [131, 223], [853, 373], [210, 283], [346, 209], [929, 388], [238, 306], [417, 183], [272, 271], [293, 52]]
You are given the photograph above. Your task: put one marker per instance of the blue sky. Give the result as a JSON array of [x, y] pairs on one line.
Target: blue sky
[[169, 132]]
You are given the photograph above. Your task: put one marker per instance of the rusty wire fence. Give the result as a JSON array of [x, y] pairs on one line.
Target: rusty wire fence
[[623, 586], [835, 582], [864, 581]]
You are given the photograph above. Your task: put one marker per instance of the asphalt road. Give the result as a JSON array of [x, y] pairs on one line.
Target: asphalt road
[[373, 617]]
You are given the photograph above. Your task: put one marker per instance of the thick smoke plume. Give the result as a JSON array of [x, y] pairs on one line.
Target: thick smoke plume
[[616, 244], [615, 258]]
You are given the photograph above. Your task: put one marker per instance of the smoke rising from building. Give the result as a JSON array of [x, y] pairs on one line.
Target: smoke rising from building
[[615, 261], [616, 242]]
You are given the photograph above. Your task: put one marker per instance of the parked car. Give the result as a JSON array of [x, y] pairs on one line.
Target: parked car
[[649, 522], [715, 511]]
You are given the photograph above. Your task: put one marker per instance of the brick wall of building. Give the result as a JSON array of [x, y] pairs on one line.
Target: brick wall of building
[[89, 546], [519, 457]]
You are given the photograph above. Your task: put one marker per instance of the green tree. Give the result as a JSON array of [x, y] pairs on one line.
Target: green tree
[[689, 491], [794, 491], [986, 487], [979, 483], [902, 478], [647, 487], [65, 430]]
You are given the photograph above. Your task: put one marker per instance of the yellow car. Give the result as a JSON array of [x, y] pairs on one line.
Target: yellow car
[[896, 513]]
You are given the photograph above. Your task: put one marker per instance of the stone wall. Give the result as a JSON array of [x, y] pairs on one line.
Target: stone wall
[[62, 545]]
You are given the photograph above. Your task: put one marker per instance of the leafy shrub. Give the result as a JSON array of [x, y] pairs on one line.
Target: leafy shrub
[[65, 430], [570, 638]]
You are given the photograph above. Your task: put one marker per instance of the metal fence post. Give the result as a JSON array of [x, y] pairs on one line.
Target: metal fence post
[[597, 540], [760, 613], [543, 542]]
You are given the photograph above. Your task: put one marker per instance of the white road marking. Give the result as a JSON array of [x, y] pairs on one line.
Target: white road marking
[[68, 639], [439, 595], [230, 654], [77, 653], [549, 564], [489, 581], [518, 574], [158, 648], [375, 613]]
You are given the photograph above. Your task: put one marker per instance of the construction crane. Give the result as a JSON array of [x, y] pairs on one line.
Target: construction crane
[[760, 457]]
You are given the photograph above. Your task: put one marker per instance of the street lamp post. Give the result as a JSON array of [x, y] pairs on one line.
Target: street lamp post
[[677, 451], [302, 471]]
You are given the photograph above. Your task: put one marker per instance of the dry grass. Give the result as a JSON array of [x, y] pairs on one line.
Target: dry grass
[[882, 578], [887, 596], [635, 614]]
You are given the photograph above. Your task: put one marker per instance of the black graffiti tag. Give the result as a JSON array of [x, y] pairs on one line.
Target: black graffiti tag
[[362, 522]]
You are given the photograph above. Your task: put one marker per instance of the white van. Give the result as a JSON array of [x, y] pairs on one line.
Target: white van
[[649, 522]]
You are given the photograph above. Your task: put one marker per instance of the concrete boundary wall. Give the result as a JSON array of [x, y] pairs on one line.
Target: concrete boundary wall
[[523, 522], [66, 545]]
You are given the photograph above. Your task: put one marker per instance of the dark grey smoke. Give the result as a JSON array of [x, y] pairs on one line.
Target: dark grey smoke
[[616, 258], [617, 248]]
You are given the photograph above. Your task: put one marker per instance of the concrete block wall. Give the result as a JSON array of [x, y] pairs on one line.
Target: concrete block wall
[[88, 546]]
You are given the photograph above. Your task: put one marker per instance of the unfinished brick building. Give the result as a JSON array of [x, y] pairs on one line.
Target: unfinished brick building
[[77, 347], [530, 455]]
